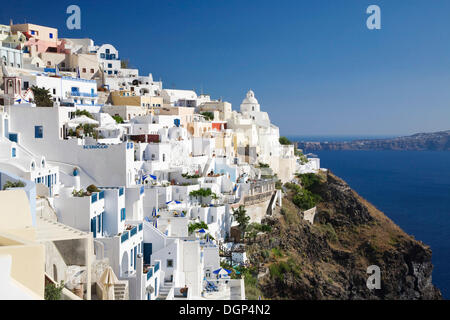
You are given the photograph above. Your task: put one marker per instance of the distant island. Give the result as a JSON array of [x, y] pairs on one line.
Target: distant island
[[436, 141]]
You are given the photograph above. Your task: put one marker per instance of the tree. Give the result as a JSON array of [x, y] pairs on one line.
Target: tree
[[208, 115], [42, 97], [242, 219], [118, 119], [284, 141]]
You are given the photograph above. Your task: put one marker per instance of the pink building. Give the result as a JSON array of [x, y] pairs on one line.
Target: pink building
[[40, 38]]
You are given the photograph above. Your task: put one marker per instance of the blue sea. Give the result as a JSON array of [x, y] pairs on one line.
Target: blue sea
[[411, 187]]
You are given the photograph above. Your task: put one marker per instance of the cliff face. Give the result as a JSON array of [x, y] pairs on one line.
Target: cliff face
[[437, 141], [329, 259]]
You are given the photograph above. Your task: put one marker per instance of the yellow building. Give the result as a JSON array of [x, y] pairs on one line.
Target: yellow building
[[130, 98]]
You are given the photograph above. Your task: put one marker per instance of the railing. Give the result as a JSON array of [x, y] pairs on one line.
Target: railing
[[124, 237], [94, 198], [133, 231], [83, 94], [140, 226], [101, 195], [120, 192], [156, 266]]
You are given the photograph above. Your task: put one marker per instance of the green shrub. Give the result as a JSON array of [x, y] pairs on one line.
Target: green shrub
[[53, 292], [305, 199], [84, 113], [118, 119], [10, 185], [284, 141], [197, 226]]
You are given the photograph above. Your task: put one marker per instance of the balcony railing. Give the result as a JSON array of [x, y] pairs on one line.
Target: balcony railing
[[133, 231], [156, 266], [124, 237], [94, 198], [83, 94]]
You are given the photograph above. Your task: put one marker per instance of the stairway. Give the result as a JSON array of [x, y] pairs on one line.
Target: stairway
[[45, 210], [164, 291], [121, 291]]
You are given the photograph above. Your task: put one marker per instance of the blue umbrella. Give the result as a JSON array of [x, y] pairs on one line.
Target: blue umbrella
[[220, 270], [154, 212], [153, 177], [202, 230]]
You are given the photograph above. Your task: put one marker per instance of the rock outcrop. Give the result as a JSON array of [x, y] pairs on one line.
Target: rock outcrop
[[329, 259]]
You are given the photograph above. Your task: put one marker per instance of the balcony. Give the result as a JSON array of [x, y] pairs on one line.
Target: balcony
[[124, 237], [82, 94], [133, 231], [151, 270]]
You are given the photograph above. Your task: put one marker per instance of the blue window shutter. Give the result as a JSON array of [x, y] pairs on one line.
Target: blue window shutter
[[93, 227]]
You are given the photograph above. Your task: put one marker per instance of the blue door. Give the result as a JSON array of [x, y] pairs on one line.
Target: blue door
[[147, 252]]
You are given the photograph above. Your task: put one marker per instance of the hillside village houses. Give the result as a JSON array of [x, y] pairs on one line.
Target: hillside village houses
[[108, 179]]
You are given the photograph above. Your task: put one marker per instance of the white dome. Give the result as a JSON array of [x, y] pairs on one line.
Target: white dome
[[250, 98]]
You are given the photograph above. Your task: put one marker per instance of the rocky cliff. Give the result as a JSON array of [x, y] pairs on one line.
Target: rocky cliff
[[329, 259], [437, 141]]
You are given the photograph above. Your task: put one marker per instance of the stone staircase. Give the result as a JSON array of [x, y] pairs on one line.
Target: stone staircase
[[164, 291], [121, 291]]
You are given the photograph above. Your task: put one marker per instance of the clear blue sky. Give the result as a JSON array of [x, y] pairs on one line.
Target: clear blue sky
[[313, 64]]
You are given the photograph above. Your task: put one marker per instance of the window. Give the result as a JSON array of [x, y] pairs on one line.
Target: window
[[13, 152], [109, 72], [54, 91], [169, 263], [26, 85], [50, 35], [84, 70], [102, 56], [92, 70], [107, 50], [115, 71], [38, 132], [109, 65], [32, 32]]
